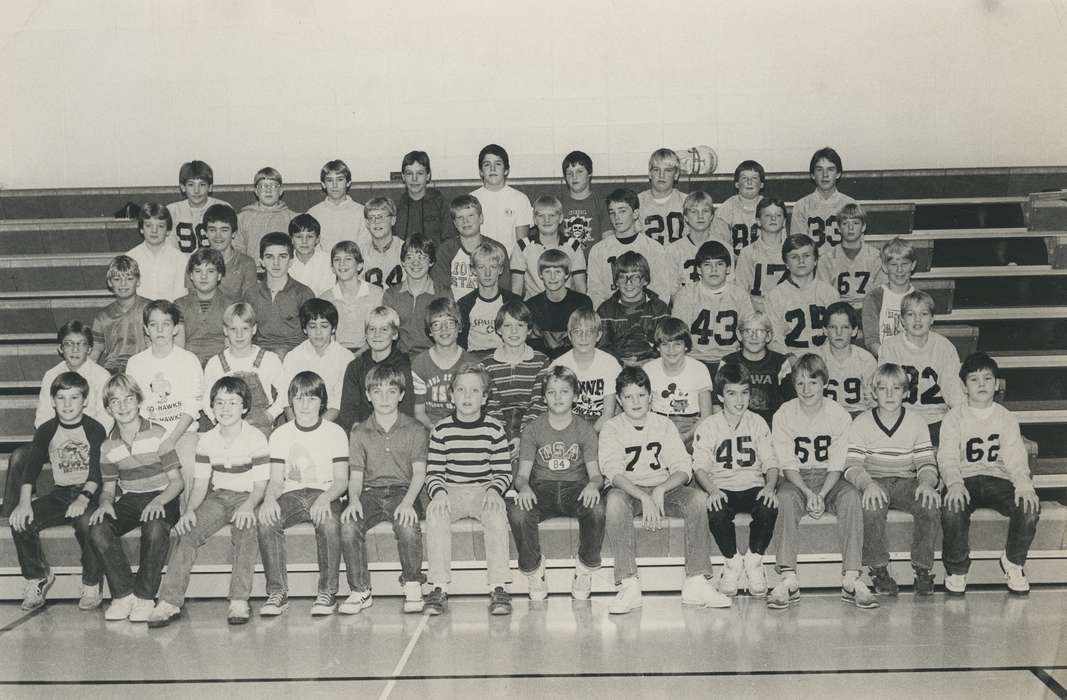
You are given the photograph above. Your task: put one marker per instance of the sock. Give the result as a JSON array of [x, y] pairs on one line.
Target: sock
[[849, 580], [789, 576]]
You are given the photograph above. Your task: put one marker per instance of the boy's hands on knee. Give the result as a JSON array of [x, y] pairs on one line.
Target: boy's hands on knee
[[590, 495], [957, 498], [106, 509], [439, 505], [652, 510], [716, 500], [404, 514], [77, 507], [185, 523], [353, 512], [244, 517], [927, 495], [1029, 501], [526, 498], [874, 498], [153, 510], [493, 502], [270, 512], [768, 497], [320, 509], [815, 505], [22, 516]]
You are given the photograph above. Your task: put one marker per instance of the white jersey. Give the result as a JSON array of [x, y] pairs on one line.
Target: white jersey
[[816, 216], [713, 318], [736, 458], [527, 253], [683, 256], [188, 233], [339, 222], [933, 373], [738, 217], [798, 316], [603, 254], [662, 220], [811, 442], [646, 455], [983, 442], [852, 277], [851, 379], [383, 267], [759, 267]]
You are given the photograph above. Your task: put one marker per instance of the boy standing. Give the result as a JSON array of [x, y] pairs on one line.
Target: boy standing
[[760, 266], [382, 251], [162, 266], [320, 354], [455, 270], [854, 267], [738, 213], [266, 215], [624, 214], [548, 213], [203, 307], [382, 351], [479, 310], [340, 217], [278, 298], [422, 210], [630, 315], [881, 306], [195, 179], [661, 205], [220, 227], [797, 306], [583, 209], [413, 295], [468, 472], [310, 263], [551, 309], [507, 211], [118, 328], [700, 228], [816, 214]]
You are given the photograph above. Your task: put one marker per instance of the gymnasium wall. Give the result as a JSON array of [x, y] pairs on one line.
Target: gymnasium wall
[[120, 92]]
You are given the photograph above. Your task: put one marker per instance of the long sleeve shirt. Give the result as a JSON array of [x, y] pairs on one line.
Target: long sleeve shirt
[[736, 458], [647, 454], [983, 443], [474, 452], [877, 450], [933, 373], [809, 442]]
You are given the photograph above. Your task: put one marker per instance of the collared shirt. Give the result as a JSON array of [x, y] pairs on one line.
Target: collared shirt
[[385, 457], [352, 312], [138, 467], [316, 273], [203, 326], [278, 315], [162, 271], [411, 306]]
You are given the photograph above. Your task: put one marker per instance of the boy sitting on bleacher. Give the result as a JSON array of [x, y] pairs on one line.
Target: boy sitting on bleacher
[[118, 328], [220, 227], [854, 267], [75, 347], [816, 214], [70, 441], [983, 463], [881, 306]]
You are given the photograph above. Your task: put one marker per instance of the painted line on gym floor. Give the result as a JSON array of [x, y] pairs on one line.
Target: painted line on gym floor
[[404, 657], [534, 676], [1050, 682]]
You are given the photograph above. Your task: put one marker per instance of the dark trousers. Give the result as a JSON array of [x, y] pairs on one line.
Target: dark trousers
[[106, 537], [378, 505], [50, 510], [986, 492], [557, 499], [759, 532]]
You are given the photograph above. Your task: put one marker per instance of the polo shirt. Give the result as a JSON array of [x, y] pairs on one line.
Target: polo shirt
[[138, 467], [385, 456], [278, 316], [234, 465]]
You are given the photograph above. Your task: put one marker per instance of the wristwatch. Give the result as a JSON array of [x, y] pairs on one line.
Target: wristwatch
[[87, 493]]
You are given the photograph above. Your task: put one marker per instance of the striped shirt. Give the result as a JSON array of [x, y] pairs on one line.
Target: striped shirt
[[879, 451], [233, 465], [515, 389], [138, 467], [468, 453]]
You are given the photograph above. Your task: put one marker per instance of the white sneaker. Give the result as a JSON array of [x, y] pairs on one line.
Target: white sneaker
[[582, 585], [162, 614], [537, 583], [1017, 582], [36, 590], [730, 578], [120, 608], [754, 574], [91, 598], [956, 584], [413, 597], [238, 613], [628, 598], [699, 591], [784, 594], [142, 610], [357, 601]]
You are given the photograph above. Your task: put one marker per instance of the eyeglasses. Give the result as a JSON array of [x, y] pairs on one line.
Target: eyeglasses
[[378, 218], [754, 332], [75, 344], [268, 185], [235, 402], [416, 258], [122, 401], [632, 278], [445, 324]]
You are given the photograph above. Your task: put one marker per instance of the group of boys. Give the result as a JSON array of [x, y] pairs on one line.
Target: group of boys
[[383, 357]]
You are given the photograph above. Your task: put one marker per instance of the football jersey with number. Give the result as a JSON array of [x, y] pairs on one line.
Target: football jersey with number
[[683, 257], [852, 277], [933, 373], [527, 252], [713, 318], [737, 458], [816, 216], [798, 315], [759, 267], [850, 379], [662, 219], [382, 267], [879, 451], [983, 442], [804, 442], [604, 253], [738, 217], [187, 234], [647, 455]]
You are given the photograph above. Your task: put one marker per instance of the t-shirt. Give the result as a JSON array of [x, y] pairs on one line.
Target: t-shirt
[[738, 216], [339, 222], [594, 382], [662, 219], [330, 366], [308, 454], [119, 334], [933, 373], [877, 450], [173, 386], [805, 442], [72, 450], [528, 251], [983, 442], [851, 379], [602, 282], [478, 332], [713, 318], [584, 220], [558, 455], [94, 374], [383, 267], [759, 267], [677, 395], [881, 313], [768, 383], [352, 312], [798, 315], [852, 277], [548, 321], [162, 271], [316, 274], [816, 216], [647, 455], [502, 211], [432, 383], [736, 458], [454, 268], [234, 465], [188, 232], [385, 457], [138, 466]]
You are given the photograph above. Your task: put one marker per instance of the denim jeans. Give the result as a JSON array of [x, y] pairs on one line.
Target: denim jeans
[[843, 501], [901, 492], [296, 508], [214, 513], [106, 536], [721, 522], [681, 501], [467, 501], [987, 492], [557, 499], [378, 505], [50, 510]]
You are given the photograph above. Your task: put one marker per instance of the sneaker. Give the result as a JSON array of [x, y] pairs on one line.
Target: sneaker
[[142, 609], [582, 585], [701, 592], [36, 589], [412, 597], [956, 584], [924, 581], [436, 602], [275, 605], [783, 596], [538, 585], [730, 578], [1016, 576], [627, 599], [883, 583], [91, 597], [238, 613], [860, 596], [356, 602], [120, 608], [499, 602], [325, 604], [163, 613], [754, 574]]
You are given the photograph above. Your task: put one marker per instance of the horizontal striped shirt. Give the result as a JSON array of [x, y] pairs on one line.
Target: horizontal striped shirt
[[515, 389], [138, 465], [233, 465], [473, 452], [879, 451]]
